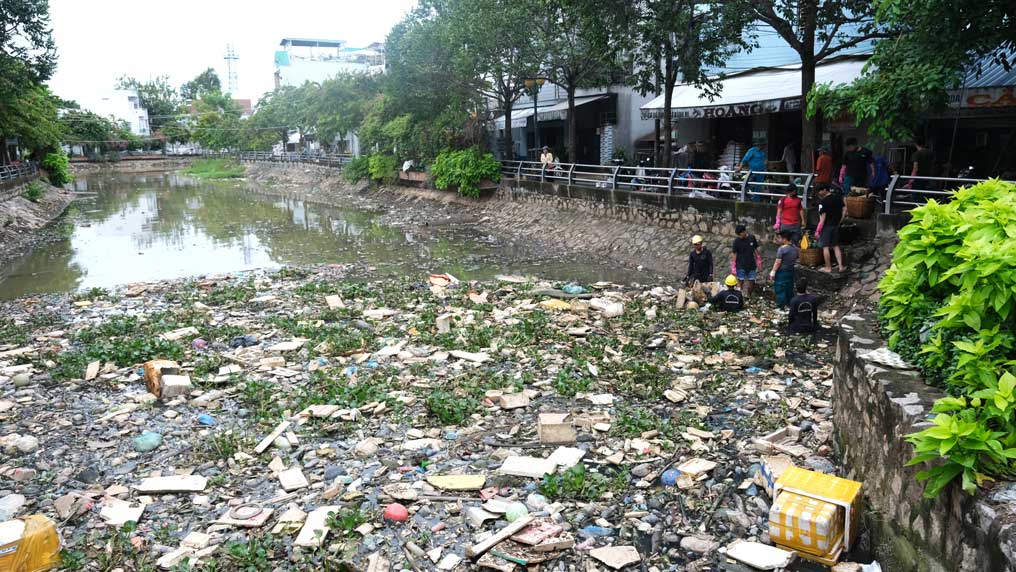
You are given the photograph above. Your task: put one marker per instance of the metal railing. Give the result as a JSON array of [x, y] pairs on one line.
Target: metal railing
[[705, 183], [335, 160], [905, 192], [16, 172]]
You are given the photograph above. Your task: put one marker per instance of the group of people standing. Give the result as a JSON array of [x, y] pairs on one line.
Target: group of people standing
[[746, 260]]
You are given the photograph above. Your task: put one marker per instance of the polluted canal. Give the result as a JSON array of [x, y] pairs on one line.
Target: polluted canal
[[446, 412], [139, 228]]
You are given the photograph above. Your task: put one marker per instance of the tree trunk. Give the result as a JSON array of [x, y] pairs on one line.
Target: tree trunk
[[573, 143], [669, 79], [509, 149], [809, 127]]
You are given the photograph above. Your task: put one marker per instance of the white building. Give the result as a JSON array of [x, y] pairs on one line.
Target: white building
[[123, 104], [301, 60]]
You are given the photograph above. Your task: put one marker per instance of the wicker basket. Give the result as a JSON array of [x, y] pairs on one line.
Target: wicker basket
[[811, 257], [859, 207]]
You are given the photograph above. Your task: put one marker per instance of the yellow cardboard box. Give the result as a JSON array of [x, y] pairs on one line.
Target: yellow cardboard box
[[805, 524], [29, 544], [843, 493]]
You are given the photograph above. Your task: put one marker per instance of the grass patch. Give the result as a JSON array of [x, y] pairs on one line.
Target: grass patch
[[345, 522], [215, 169], [34, 191], [579, 484]]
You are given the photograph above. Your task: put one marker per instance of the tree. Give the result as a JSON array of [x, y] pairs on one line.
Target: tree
[[93, 132], [817, 30], [929, 48], [32, 118], [27, 50], [218, 123], [157, 96], [206, 82], [682, 37], [581, 41], [340, 107], [499, 50]]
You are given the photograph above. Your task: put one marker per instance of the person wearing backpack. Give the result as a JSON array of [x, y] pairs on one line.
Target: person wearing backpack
[[803, 315], [729, 299]]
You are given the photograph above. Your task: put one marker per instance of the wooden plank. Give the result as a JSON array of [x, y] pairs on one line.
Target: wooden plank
[[477, 550]]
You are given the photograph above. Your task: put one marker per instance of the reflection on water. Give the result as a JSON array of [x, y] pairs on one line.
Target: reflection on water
[[151, 227]]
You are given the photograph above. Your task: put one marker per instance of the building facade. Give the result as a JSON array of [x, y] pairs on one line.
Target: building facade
[[123, 104], [304, 59]]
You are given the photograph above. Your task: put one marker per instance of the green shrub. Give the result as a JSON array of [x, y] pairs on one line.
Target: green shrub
[[216, 169], [464, 170], [357, 170], [948, 304], [383, 168], [57, 165], [34, 191]]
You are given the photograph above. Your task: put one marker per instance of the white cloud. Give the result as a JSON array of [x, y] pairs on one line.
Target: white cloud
[[100, 40]]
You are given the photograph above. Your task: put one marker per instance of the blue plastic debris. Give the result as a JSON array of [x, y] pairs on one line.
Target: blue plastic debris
[[206, 420]]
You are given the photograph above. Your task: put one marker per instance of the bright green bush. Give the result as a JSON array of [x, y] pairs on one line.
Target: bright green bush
[[948, 304], [34, 191], [383, 167], [465, 169], [57, 165], [357, 170]]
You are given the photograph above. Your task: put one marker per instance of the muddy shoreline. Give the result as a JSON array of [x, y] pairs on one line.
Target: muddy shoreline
[[25, 226]]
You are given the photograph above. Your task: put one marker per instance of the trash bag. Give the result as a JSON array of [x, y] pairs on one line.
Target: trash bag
[[804, 242], [29, 544]]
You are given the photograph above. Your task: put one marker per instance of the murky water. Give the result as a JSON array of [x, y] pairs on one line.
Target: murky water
[[136, 228]]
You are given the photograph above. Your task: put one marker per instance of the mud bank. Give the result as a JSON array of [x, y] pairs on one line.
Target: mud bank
[[25, 225]]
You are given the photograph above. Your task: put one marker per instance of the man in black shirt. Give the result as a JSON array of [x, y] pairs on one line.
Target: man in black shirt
[[700, 262], [730, 299], [743, 253], [830, 212], [803, 316], [858, 161]]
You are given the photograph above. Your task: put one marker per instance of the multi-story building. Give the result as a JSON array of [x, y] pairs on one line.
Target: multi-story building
[[123, 104], [302, 59]]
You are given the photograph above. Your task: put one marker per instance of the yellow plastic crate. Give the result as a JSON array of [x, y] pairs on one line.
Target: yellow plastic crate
[[805, 524], [843, 493]]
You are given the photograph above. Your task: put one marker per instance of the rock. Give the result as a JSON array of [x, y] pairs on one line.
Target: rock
[[699, 544], [820, 465], [10, 505], [367, 447], [396, 512], [281, 443], [27, 444], [22, 379], [642, 470]]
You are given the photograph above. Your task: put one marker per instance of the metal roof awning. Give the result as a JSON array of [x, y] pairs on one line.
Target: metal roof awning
[[557, 111], [754, 92]]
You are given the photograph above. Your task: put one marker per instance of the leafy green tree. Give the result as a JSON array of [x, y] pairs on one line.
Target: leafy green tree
[[929, 48], [204, 83], [581, 40], [32, 118], [340, 108], [217, 124], [157, 96], [680, 38], [27, 50], [499, 50], [93, 132], [817, 30]]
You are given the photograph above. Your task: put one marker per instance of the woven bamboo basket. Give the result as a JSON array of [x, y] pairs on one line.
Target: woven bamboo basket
[[811, 257], [860, 207]]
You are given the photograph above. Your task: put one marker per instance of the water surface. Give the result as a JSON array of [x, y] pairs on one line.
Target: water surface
[[148, 227]]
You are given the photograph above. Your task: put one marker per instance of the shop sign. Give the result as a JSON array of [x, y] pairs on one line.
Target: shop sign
[[983, 98], [734, 110]]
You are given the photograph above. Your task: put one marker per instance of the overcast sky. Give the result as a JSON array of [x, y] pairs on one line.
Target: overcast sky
[[100, 40]]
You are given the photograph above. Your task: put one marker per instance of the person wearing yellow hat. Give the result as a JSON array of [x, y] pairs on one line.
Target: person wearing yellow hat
[[700, 262], [731, 299]]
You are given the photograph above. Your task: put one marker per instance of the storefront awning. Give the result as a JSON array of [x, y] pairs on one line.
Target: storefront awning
[[755, 92], [557, 111]]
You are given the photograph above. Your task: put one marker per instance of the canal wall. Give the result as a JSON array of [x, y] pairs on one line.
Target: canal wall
[[874, 408], [130, 166], [22, 221]]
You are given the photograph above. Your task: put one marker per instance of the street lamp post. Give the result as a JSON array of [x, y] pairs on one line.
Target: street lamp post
[[535, 84]]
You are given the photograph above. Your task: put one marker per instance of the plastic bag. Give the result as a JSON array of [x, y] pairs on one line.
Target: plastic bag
[[36, 549], [804, 242]]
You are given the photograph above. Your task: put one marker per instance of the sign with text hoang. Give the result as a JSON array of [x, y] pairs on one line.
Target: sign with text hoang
[[983, 97], [732, 110]]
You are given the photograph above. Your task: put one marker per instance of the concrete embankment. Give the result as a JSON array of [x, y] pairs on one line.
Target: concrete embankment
[[22, 220]]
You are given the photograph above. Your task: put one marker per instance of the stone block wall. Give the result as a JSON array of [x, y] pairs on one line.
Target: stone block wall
[[875, 407]]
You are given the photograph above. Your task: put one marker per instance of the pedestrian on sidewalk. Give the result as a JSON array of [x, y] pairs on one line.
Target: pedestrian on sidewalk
[[729, 299], [700, 262], [858, 162], [744, 257], [755, 160], [790, 213], [823, 168], [782, 273], [803, 315], [830, 213]]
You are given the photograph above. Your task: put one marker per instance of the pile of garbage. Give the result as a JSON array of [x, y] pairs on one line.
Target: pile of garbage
[[302, 420]]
